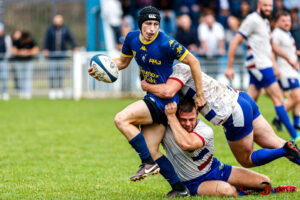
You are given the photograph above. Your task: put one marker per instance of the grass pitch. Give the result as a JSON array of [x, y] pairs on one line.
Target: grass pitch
[[72, 150]]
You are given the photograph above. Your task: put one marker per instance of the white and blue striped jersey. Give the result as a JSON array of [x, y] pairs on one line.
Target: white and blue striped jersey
[[221, 99], [257, 33], [286, 42], [191, 164]]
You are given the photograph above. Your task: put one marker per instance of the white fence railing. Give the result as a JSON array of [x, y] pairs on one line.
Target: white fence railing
[[68, 78]]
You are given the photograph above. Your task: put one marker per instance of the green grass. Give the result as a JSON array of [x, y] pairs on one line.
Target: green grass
[[72, 150]]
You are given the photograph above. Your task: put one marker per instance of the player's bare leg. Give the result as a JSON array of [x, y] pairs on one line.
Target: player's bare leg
[[127, 122], [253, 92], [293, 100], [275, 93], [241, 177], [247, 157], [264, 135], [154, 135], [242, 150], [153, 140], [133, 115], [217, 188]]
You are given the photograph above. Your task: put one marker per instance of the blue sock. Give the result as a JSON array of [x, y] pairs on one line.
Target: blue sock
[[296, 120], [264, 156], [167, 170], [140, 146], [295, 160], [284, 118]]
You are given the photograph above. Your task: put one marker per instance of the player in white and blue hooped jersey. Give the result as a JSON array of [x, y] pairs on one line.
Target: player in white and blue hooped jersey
[[289, 79], [236, 112], [189, 145], [255, 29]]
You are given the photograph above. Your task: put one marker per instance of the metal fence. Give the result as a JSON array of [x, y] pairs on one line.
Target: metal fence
[[68, 78]]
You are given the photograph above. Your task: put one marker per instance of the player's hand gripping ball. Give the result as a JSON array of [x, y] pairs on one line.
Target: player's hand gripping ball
[[106, 70]]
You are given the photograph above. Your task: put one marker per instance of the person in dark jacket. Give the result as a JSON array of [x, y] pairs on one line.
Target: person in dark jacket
[[5, 51], [56, 39], [24, 50]]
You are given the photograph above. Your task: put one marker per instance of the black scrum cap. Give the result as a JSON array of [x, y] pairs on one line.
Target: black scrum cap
[[148, 13]]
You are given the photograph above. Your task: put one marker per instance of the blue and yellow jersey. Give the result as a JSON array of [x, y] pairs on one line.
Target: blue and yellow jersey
[[155, 58]]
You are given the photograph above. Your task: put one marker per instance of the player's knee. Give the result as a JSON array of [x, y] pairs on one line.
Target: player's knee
[[295, 98], [246, 163], [119, 120], [265, 181], [227, 191]]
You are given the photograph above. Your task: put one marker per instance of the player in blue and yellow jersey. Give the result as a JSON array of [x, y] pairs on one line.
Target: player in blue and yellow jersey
[[155, 53]]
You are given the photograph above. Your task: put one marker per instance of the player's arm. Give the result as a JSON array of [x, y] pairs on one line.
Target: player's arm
[[280, 52], [194, 64], [165, 90], [275, 67], [186, 141], [122, 62], [237, 40]]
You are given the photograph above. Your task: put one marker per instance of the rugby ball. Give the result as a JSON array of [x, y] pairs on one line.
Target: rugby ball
[[106, 70]]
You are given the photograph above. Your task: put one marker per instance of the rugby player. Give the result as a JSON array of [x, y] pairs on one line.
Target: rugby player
[[255, 29], [236, 111], [189, 145], [289, 76], [155, 53]]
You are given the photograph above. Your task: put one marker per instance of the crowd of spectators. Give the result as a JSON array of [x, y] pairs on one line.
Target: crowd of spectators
[[18, 51], [197, 18]]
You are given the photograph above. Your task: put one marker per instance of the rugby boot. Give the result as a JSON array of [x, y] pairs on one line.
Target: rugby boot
[[292, 149], [145, 170], [277, 123], [284, 188], [175, 193]]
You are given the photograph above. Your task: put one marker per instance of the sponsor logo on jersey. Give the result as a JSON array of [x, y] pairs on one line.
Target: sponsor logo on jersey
[[154, 61], [143, 48]]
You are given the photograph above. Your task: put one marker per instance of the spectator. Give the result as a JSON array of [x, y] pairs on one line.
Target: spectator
[[124, 30], [168, 16], [15, 37], [291, 4], [192, 8], [112, 13], [212, 40], [24, 50], [186, 35], [295, 27], [244, 11], [56, 39], [129, 13], [223, 11], [278, 8], [5, 51], [234, 24]]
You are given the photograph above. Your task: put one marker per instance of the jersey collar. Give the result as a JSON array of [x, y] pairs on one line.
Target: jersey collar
[[150, 40]]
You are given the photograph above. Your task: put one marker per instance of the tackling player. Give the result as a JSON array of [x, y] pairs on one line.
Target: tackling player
[[289, 77], [235, 111], [155, 53], [189, 145], [256, 30]]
